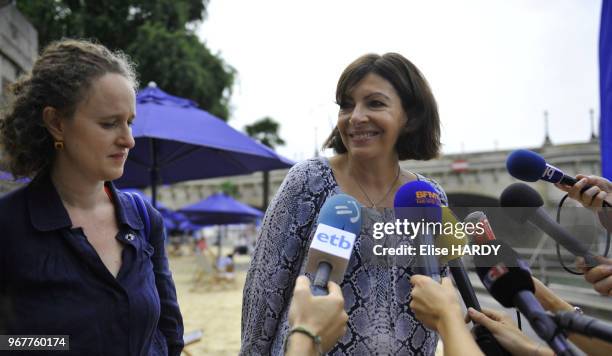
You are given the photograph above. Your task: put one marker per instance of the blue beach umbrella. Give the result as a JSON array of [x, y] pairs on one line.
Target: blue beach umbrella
[[176, 141], [221, 209]]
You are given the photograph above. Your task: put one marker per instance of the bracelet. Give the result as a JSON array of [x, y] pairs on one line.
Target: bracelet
[[302, 330]]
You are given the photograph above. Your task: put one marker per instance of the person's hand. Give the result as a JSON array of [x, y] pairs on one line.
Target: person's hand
[[506, 333], [592, 198], [549, 300], [323, 315], [599, 276], [433, 303]]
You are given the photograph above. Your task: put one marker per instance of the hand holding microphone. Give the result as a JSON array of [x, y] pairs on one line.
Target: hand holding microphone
[[323, 316], [437, 307], [509, 336], [599, 276], [434, 303], [529, 166]]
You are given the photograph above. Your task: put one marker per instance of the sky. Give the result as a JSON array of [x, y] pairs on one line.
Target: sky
[[494, 66]]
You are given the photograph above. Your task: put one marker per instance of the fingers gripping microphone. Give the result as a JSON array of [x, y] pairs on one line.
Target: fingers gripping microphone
[[339, 224], [419, 202], [520, 195], [508, 280]]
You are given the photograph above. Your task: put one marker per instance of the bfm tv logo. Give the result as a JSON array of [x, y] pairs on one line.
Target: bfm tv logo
[[427, 197]]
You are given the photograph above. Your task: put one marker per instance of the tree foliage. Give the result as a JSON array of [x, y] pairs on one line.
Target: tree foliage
[[156, 34], [265, 130]]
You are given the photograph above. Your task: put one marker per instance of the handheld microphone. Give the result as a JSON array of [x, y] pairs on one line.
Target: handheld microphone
[[485, 340], [585, 325], [529, 166], [520, 195], [339, 224], [454, 261], [478, 217], [418, 201], [508, 280]]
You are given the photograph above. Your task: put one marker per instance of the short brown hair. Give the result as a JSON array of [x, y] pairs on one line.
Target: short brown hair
[[60, 78], [422, 141]]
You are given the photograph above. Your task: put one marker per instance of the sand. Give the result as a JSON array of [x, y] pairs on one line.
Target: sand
[[214, 308]]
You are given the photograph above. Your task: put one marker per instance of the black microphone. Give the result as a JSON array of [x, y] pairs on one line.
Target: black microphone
[[582, 324], [508, 280], [520, 195]]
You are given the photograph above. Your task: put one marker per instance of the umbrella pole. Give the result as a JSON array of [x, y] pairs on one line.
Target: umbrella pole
[[219, 242], [154, 172]]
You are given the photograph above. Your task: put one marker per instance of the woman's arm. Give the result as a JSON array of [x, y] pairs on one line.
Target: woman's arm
[[437, 307]]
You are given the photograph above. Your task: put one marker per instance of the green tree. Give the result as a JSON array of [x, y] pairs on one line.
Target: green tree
[[265, 130], [229, 188], [156, 34]]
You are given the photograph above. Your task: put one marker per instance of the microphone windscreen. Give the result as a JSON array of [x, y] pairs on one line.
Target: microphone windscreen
[[525, 165], [520, 195], [342, 212], [418, 200], [504, 275]]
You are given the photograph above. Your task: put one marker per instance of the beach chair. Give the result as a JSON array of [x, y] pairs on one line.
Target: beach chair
[[208, 274], [191, 338]]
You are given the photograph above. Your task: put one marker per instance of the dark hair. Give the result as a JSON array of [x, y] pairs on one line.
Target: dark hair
[[60, 78], [422, 140]]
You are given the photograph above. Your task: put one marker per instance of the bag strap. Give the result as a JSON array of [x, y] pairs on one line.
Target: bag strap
[[140, 206]]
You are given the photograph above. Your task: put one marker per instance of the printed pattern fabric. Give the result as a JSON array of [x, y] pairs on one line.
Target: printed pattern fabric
[[377, 295]]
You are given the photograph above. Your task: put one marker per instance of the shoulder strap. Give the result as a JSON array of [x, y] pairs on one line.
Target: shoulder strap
[[140, 206]]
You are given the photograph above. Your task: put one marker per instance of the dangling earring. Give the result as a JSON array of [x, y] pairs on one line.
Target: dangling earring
[[59, 145]]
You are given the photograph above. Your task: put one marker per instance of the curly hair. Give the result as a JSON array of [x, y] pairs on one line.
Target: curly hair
[[422, 141], [60, 78]]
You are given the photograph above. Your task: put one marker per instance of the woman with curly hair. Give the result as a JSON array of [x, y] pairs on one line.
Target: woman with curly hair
[[75, 259]]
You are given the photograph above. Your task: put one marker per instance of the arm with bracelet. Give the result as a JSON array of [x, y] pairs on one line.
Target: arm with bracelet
[[552, 303], [317, 322]]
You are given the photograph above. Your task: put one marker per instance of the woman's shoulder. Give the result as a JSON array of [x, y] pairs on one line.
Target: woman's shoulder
[[436, 186], [310, 167]]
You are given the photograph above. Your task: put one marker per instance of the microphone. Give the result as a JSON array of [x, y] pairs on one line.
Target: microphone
[[418, 201], [584, 325], [478, 217], [508, 280], [520, 195], [454, 261], [529, 166], [485, 340], [339, 224]]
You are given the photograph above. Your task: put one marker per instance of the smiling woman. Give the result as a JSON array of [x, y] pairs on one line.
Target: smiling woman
[[74, 257], [387, 114]]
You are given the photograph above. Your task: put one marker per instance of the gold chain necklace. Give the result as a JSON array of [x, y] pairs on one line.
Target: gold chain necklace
[[386, 194]]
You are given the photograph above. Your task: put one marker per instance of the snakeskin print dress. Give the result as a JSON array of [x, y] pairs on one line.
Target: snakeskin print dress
[[376, 290]]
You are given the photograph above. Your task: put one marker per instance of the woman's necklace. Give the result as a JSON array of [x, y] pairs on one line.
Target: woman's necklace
[[374, 205]]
